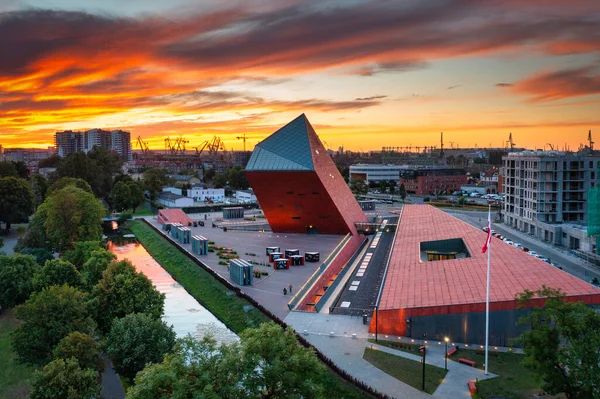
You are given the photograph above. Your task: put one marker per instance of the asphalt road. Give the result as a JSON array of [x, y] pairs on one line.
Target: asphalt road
[[569, 263]]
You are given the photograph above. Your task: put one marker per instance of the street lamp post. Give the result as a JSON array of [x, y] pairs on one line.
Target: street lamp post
[[423, 350], [446, 339]]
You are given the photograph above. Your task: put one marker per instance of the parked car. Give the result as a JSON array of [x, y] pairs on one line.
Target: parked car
[[544, 259], [595, 282], [533, 253], [524, 249], [508, 241], [517, 245]]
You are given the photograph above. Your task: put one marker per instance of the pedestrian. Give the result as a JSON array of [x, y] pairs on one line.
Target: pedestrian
[[290, 289], [284, 291]]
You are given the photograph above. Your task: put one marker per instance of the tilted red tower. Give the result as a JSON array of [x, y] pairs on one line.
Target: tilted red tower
[[298, 187]]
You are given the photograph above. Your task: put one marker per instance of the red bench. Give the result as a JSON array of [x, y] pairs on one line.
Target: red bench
[[467, 361], [451, 352], [472, 387]]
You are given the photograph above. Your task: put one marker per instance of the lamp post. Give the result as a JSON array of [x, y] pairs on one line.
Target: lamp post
[[446, 339], [423, 349]]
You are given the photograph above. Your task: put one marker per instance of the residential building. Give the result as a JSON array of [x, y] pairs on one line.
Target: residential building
[[244, 196], [185, 179], [118, 140], [432, 180], [373, 173], [171, 200], [546, 194], [121, 143], [67, 142], [201, 193]]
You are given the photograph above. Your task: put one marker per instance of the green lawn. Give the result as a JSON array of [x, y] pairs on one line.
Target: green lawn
[[401, 346], [213, 295], [408, 371], [514, 380], [143, 210], [14, 377]]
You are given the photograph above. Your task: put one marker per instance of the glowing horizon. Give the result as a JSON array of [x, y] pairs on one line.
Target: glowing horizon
[[367, 74]]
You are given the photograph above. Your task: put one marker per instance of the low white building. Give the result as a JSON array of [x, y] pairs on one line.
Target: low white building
[[376, 172], [245, 196], [202, 194], [173, 190], [171, 200]]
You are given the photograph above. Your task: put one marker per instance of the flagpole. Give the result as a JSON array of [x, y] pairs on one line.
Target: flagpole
[[487, 293]]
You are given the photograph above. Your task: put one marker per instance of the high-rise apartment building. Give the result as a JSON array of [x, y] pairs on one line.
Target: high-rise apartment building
[[546, 195], [117, 140]]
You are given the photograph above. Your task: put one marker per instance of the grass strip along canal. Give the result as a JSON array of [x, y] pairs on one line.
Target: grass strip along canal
[[220, 300]]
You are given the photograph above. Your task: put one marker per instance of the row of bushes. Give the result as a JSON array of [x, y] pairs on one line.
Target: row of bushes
[[267, 313]]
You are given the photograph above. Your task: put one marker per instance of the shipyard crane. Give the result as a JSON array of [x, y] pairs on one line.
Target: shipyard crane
[[590, 140], [176, 146], [143, 145], [511, 142]]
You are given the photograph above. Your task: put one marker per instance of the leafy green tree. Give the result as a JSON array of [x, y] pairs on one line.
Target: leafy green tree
[[121, 291], [47, 317], [563, 344], [236, 178], [81, 252], [63, 378], [72, 215], [277, 366], [35, 235], [80, 166], [8, 169], [57, 272], [358, 186], [136, 340], [200, 368], [383, 186], [16, 273], [83, 348], [153, 181], [108, 164], [39, 186], [68, 181], [96, 264], [136, 195], [402, 191], [219, 180], [22, 169], [16, 201], [392, 184], [122, 177], [120, 197], [208, 176], [50, 162]]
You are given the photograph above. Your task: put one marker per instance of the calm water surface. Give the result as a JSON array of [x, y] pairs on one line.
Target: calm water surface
[[181, 309]]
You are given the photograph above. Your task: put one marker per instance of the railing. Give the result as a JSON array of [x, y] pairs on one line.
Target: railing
[[317, 273], [321, 302]]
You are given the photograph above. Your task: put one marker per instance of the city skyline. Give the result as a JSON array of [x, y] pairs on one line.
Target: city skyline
[[368, 74]]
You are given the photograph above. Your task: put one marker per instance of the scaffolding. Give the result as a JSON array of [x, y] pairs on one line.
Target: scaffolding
[[593, 213]]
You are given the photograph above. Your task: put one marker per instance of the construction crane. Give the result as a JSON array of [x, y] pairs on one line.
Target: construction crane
[[143, 145], [242, 137], [176, 146], [510, 141], [441, 144], [590, 140]]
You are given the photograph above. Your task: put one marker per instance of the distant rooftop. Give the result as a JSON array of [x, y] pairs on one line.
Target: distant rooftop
[[170, 196]]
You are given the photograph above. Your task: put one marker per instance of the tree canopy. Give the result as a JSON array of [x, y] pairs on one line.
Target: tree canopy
[[136, 340], [63, 378], [358, 186], [69, 181], [93, 268], [39, 187], [153, 181], [57, 272], [81, 252], [563, 344], [120, 196], [136, 195], [83, 348], [121, 291], [47, 317], [72, 215], [8, 169], [16, 201], [16, 273]]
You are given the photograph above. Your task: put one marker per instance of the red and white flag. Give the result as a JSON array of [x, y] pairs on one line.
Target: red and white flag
[[489, 235]]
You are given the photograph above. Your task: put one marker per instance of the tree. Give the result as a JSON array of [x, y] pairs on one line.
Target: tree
[[122, 291], [57, 272], [383, 185], [358, 186], [219, 180], [195, 369], [47, 317], [8, 169], [236, 178], [50, 162], [122, 177], [22, 169], [16, 273], [39, 186], [93, 268], [136, 340], [120, 197], [68, 181], [136, 195], [83, 348], [81, 252], [78, 165], [35, 235], [278, 367], [402, 191], [563, 344], [153, 181], [63, 378], [71, 215], [208, 176], [108, 163], [393, 185], [16, 201], [41, 254]]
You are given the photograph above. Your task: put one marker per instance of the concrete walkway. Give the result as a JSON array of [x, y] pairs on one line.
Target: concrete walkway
[[111, 385], [344, 338]]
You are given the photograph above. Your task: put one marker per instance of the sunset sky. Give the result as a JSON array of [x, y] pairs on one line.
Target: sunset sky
[[366, 73]]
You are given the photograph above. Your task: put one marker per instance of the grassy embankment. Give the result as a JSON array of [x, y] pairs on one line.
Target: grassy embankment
[[514, 381], [408, 371], [214, 296], [14, 377]]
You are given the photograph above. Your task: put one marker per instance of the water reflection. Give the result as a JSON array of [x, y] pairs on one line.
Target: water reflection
[[181, 309]]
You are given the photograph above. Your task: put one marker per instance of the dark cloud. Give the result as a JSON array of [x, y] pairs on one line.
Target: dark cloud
[[370, 98], [453, 87], [504, 85], [560, 84], [388, 67]]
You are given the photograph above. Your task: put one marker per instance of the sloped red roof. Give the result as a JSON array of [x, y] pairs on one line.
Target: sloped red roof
[[173, 216]]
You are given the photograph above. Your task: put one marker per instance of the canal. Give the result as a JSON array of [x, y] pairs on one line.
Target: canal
[[181, 309]]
